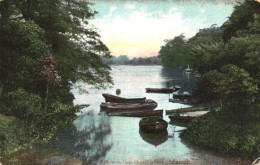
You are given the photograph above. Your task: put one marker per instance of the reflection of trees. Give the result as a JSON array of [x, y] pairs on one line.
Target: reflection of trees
[[85, 139], [177, 76]]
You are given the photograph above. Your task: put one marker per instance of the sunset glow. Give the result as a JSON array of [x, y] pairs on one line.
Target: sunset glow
[[139, 28]]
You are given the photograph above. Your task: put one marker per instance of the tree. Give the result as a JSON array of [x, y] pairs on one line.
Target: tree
[[175, 52], [45, 75], [239, 19]]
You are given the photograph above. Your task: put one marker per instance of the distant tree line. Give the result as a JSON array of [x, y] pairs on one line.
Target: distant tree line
[[125, 60]]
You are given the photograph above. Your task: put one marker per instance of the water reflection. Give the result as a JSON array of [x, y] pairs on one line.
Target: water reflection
[[177, 76], [86, 138], [154, 139]]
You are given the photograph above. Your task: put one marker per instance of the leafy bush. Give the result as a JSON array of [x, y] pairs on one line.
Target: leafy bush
[[217, 131], [21, 104], [39, 124]]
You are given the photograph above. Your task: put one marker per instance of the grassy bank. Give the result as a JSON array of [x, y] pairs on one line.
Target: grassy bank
[[226, 133]]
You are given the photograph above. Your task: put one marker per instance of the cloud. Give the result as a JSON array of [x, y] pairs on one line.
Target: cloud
[[202, 9], [173, 9], [142, 34], [112, 9], [130, 6], [142, 31]]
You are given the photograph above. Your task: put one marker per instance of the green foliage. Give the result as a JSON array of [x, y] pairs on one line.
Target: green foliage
[[29, 29], [206, 57], [239, 19], [175, 52], [12, 135], [229, 84], [21, 44], [21, 104], [226, 132], [38, 124], [211, 35], [231, 76], [181, 52]]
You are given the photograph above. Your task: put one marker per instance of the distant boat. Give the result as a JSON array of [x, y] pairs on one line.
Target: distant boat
[[196, 74], [117, 99], [161, 90], [188, 70], [158, 113], [177, 87], [153, 125]]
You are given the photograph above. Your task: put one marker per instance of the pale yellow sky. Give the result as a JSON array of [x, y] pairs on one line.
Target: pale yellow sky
[[138, 28]]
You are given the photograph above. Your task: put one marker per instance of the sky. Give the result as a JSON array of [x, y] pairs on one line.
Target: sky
[[138, 28]]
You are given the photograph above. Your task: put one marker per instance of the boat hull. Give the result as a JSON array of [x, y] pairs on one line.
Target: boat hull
[[131, 108], [160, 90], [190, 109], [182, 96], [158, 113], [153, 125], [182, 118], [116, 99]]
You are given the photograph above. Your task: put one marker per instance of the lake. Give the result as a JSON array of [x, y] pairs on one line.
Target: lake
[[94, 137]]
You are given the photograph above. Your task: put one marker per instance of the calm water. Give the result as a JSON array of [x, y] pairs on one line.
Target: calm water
[[97, 138]]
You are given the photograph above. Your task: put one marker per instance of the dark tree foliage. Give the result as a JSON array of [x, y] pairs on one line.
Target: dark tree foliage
[[175, 52], [30, 29], [239, 19], [45, 72], [231, 77]]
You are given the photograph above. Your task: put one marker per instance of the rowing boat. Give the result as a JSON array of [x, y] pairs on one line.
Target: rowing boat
[[117, 99], [153, 125], [190, 109], [158, 113], [161, 90]]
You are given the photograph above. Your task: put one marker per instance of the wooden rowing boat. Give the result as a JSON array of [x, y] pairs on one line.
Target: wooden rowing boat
[[154, 139], [183, 96], [190, 109], [153, 125], [116, 99], [184, 101], [158, 113], [149, 104], [161, 90], [130, 108], [182, 118], [187, 116]]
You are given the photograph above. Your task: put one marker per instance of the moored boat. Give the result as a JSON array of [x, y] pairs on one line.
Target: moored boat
[[187, 116], [181, 118], [188, 70], [158, 113], [117, 99], [161, 90], [190, 109], [184, 101], [153, 125], [131, 107], [154, 139], [183, 96], [108, 106]]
